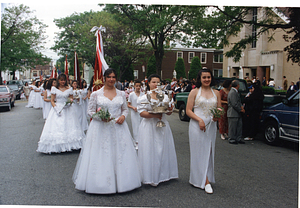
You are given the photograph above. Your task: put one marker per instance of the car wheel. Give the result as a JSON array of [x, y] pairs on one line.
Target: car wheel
[[182, 113], [271, 133]]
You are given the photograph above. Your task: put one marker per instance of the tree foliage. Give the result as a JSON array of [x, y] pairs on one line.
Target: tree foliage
[[194, 68], [158, 23], [120, 48], [22, 39], [180, 68]]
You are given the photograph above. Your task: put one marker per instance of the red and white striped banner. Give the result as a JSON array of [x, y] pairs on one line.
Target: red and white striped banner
[[66, 68], [76, 70], [100, 63]]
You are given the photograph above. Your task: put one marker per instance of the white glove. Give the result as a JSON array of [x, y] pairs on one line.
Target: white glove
[[57, 110]]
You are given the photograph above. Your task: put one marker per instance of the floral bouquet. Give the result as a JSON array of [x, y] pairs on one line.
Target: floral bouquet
[[67, 103], [102, 114], [217, 113]]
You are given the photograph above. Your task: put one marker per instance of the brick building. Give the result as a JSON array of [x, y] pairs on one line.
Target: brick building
[[209, 58]]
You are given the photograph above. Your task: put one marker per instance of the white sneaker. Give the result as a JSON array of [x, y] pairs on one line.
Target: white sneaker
[[222, 137], [208, 189]]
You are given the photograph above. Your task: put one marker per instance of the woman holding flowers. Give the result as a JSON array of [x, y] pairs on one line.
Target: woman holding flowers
[[62, 131], [206, 103], [108, 162]]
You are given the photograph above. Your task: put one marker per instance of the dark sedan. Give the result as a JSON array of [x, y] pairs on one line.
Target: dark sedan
[[7, 98], [16, 90]]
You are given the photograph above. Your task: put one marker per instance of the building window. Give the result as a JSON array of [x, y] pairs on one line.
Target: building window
[[218, 58], [203, 57], [254, 34], [218, 72], [179, 55], [191, 56], [136, 74]]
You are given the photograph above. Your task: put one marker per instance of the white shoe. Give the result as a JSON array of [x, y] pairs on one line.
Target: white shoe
[[222, 137], [248, 139], [208, 189]]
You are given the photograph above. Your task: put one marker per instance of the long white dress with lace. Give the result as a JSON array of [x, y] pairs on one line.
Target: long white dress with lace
[[47, 105], [63, 132], [108, 161], [202, 144], [156, 153]]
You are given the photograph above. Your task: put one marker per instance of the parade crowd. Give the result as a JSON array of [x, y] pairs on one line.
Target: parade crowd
[[112, 160]]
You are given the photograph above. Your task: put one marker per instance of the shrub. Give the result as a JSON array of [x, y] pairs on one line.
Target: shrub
[[180, 68], [151, 66], [195, 68]]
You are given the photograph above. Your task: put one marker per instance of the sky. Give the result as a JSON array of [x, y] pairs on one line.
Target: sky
[[47, 11]]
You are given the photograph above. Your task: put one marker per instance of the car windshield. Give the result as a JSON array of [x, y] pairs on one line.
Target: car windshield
[[3, 89], [14, 87], [11, 82]]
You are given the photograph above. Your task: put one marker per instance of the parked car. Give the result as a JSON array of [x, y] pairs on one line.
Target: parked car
[[27, 80], [7, 98], [16, 90], [281, 121], [19, 83], [181, 98]]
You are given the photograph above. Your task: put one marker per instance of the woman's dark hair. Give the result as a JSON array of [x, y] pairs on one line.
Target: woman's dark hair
[[108, 72], [150, 77], [198, 80], [83, 81], [61, 77], [37, 83], [50, 83], [257, 94], [26, 83], [90, 88], [45, 84], [226, 83]]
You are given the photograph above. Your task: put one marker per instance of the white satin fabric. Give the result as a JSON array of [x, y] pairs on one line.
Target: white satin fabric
[[63, 132], [135, 116], [31, 98], [47, 105], [202, 144], [108, 161], [157, 156], [38, 101], [78, 105]]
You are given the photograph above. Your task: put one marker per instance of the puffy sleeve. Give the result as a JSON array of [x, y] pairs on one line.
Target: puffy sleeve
[[142, 107], [124, 108], [92, 107], [53, 90]]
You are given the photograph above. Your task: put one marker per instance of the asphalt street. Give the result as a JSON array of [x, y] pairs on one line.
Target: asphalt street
[[247, 175]]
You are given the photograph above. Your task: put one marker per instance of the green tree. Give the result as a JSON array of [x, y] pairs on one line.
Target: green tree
[[214, 30], [120, 48], [151, 66], [194, 68], [158, 23], [180, 68], [22, 40]]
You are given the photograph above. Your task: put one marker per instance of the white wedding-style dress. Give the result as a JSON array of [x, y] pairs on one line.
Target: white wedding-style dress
[[157, 156], [31, 98], [107, 162], [202, 144], [47, 105], [62, 132]]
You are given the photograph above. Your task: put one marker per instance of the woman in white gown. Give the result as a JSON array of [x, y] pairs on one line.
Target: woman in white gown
[[107, 162], [85, 100], [38, 102], [77, 105], [47, 97], [134, 114], [202, 130], [157, 156], [31, 98], [62, 131]]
